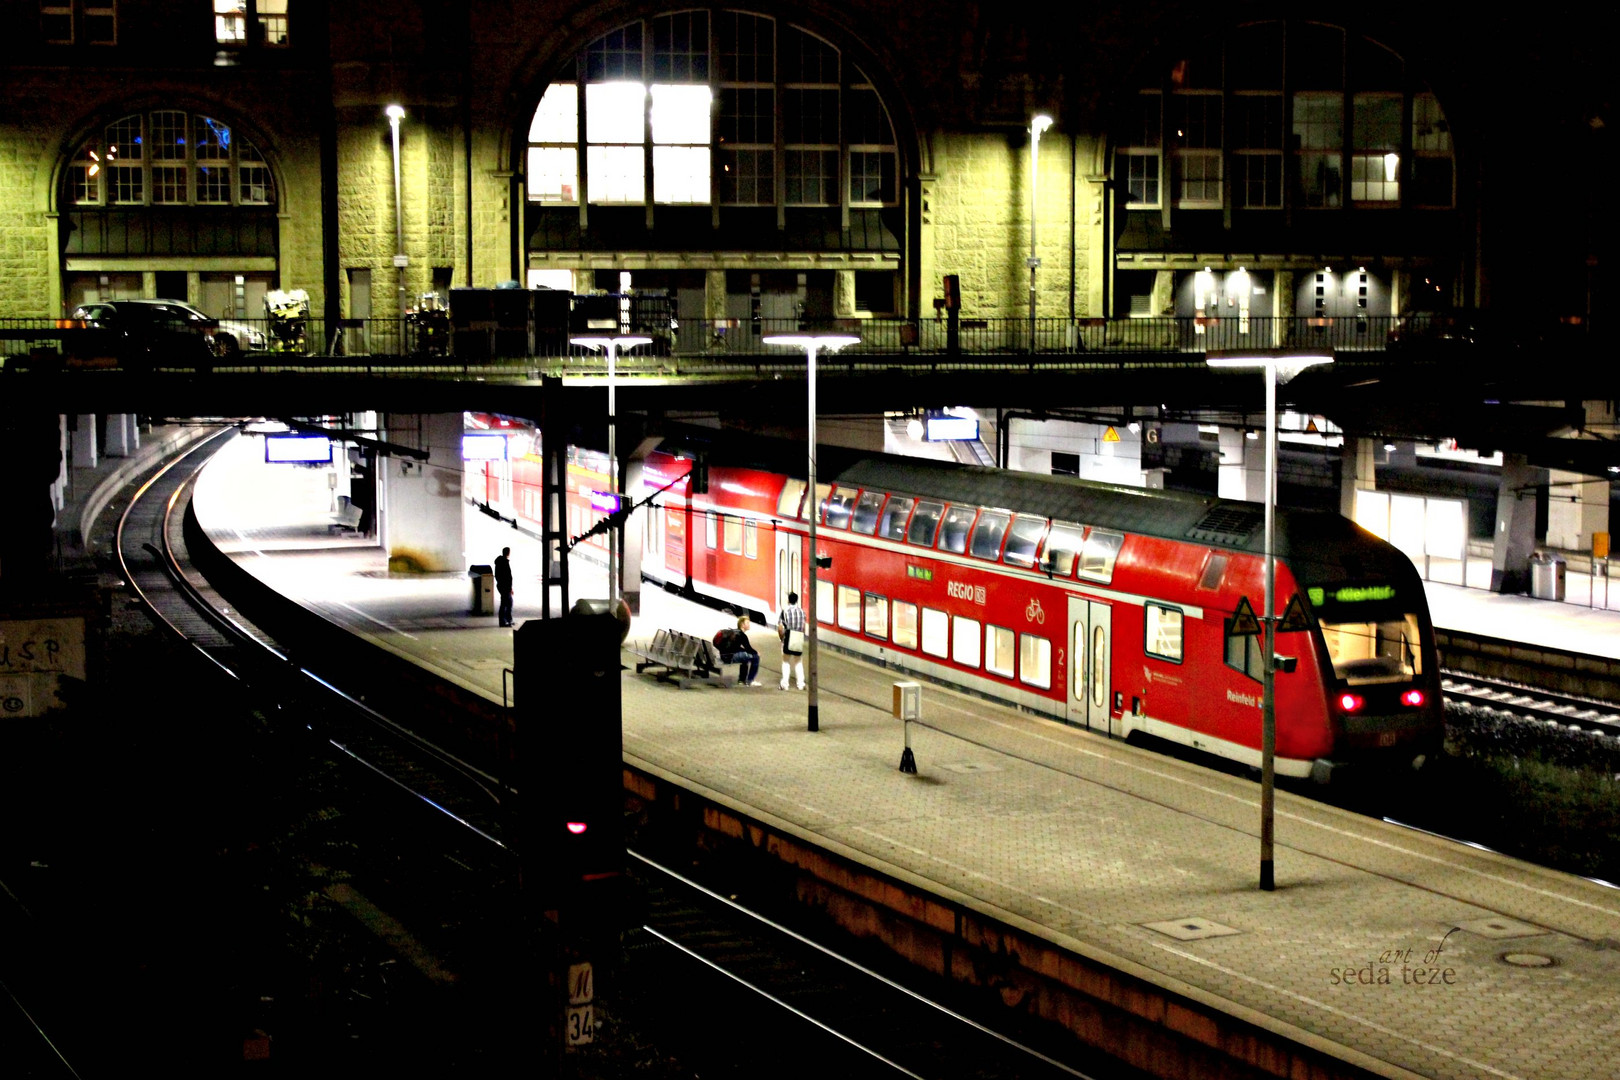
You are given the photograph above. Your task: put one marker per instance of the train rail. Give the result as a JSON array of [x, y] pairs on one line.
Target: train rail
[[1562, 710]]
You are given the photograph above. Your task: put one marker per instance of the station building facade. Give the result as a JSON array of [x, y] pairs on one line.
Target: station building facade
[[771, 160]]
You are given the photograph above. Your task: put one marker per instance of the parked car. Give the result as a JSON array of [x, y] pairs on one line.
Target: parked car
[[156, 329]]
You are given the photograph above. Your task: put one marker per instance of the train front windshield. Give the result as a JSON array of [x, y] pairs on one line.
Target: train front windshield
[[1385, 651]]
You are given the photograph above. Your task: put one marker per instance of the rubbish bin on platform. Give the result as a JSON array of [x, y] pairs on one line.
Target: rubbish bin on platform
[[1547, 576], [483, 588]]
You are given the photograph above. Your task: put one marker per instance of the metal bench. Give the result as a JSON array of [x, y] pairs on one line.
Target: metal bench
[[347, 516], [673, 656]]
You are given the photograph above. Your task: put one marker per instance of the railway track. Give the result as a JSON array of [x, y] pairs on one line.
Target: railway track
[[1562, 710], [793, 991]]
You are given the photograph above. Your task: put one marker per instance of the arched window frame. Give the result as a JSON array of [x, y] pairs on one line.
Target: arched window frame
[[169, 157]]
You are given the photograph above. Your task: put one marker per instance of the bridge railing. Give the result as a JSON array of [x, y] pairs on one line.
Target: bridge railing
[[973, 340]]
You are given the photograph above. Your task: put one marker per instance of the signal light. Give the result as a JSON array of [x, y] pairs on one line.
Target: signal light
[[576, 827], [1414, 697], [1351, 702]]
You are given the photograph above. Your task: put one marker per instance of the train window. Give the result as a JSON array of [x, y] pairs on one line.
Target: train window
[[1244, 653], [1374, 652], [998, 650], [865, 519], [1063, 545], [1023, 540], [953, 530], [825, 611], [849, 608], [750, 540], [839, 505], [711, 530], [988, 533], [877, 615], [892, 525], [822, 492], [787, 504], [1164, 632], [1035, 661], [905, 624], [965, 641], [1214, 570], [732, 532], [1097, 557], [924, 522], [936, 638]]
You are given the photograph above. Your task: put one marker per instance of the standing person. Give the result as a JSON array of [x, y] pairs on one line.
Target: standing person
[[790, 628], [503, 585], [735, 648]]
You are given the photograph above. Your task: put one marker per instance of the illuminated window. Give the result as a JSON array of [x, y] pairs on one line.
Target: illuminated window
[[750, 540], [85, 22], [896, 512], [839, 505], [1034, 661], [256, 22], [733, 535], [1319, 135], [849, 608], [787, 505], [999, 658], [877, 616], [936, 632], [865, 518], [987, 534], [1194, 130], [1243, 653], [1376, 138], [953, 530], [168, 157], [1063, 546], [1139, 154], [1097, 557], [1023, 540], [965, 641], [905, 625], [787, 106], [711, 530], [825, 609], [1164, 632]]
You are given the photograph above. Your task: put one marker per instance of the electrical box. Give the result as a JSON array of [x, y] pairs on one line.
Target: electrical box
[[907, 701]]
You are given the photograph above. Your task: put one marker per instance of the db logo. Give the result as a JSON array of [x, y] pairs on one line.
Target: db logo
[[11, 704]]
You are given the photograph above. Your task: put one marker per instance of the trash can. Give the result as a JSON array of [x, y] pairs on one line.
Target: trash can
[[1547, 576], [483, 588]]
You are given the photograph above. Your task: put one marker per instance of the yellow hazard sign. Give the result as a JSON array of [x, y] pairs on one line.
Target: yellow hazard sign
[[1110, 435], [1294, 617], [1243, 619]]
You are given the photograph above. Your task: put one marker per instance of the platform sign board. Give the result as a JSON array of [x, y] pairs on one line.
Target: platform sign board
[[35, 655]]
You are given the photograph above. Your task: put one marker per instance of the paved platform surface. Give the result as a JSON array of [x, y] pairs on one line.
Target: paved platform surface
[[1403, 953]]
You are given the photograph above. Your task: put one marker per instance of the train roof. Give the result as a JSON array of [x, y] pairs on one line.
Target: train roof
[[1334, 545]]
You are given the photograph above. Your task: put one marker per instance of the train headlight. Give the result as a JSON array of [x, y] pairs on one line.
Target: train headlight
[[1351, 702], [1414, 697]]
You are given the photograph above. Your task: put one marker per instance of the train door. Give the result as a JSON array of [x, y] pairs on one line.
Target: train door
[[789, 566], [1090, 642]]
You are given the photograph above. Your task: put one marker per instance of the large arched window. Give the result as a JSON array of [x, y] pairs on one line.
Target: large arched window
[[726, 107], [168, 157]]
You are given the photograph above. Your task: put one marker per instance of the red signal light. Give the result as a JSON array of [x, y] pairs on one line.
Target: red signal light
[[576, 827], [1414, 697], [1351, 702]]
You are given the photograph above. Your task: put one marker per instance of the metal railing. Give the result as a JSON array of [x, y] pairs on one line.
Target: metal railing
[[691, 342]]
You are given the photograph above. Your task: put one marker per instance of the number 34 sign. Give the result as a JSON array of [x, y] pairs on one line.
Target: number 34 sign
[[580, 1026]]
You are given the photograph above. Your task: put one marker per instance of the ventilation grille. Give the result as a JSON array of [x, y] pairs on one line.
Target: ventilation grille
[[1228, 526]]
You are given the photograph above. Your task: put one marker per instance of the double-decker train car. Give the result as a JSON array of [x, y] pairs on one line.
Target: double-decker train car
[[509, 484], [1104, 606]]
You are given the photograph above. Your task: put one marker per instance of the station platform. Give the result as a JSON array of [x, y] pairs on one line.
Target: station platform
[[1396, 953]]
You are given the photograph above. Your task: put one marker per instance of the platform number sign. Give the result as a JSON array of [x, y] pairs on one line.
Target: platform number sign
[[580, 1022]]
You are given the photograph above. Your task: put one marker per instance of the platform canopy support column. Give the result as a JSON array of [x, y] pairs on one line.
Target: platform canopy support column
[[555, 430], [30, 444], [1515, 538]]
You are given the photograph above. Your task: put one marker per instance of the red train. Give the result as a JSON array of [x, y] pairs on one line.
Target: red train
[[1102, 606]]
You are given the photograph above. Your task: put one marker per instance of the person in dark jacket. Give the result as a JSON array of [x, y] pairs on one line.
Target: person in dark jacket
[[735, 648], [503, 585]]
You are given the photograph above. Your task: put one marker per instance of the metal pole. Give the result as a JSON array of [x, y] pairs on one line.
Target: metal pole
[[814, 719], [394, 114], [1034, 182], [1268, 637], [613, 480]]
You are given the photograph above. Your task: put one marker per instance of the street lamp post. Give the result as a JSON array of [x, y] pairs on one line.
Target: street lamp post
[[1279, 368], [1036, 127], [396, 113], [612, 345], [811, 343]]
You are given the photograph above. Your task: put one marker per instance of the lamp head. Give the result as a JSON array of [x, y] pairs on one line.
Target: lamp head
[[395, 113], [1038, 126]]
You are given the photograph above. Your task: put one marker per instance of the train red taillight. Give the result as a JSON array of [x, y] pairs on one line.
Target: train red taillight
[[576, 827], [1351, 702], [1414, 697]]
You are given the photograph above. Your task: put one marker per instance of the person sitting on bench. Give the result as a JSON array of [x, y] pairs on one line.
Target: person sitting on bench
[[735, 648]]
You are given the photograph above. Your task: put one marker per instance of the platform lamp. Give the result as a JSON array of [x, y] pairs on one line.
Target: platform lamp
[[1037, 126], [811, 344], [395, 114], [611, 345], [1279, 367]]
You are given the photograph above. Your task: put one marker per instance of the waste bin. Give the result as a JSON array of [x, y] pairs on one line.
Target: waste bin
[[483, 588], [1547, 576]]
